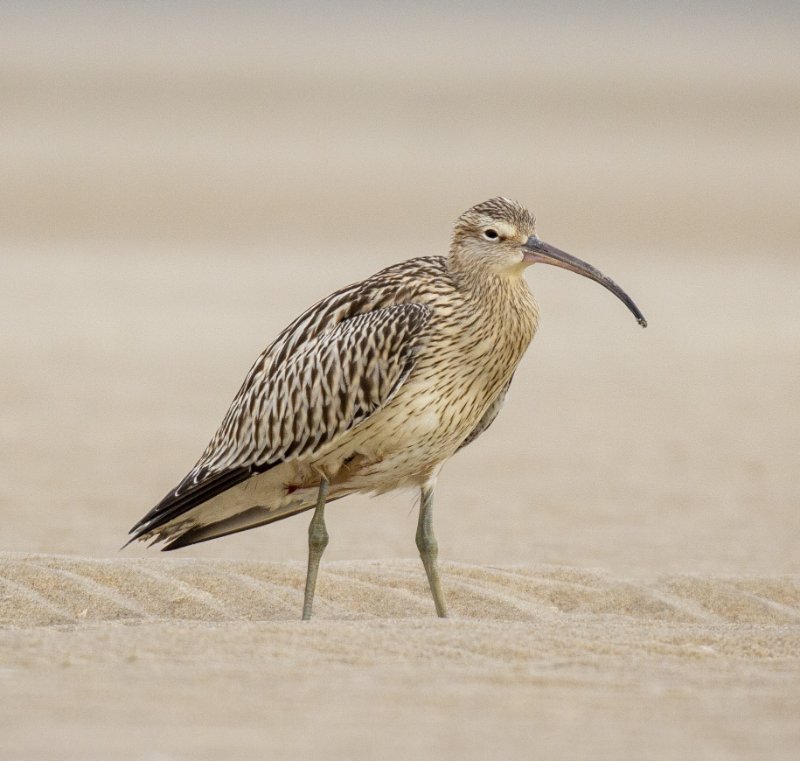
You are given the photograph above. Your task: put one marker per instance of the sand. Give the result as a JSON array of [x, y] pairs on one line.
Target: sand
[[621, 552], [541, 661]]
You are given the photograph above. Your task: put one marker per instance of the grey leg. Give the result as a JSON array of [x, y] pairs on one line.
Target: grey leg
[[429, 549], [317, 542]]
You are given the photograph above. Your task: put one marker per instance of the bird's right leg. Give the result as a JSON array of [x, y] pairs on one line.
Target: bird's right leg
[[429, 548], [317, 542]]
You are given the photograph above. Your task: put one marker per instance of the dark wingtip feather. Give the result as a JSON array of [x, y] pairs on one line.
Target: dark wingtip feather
[[244, 521], [180, 500]]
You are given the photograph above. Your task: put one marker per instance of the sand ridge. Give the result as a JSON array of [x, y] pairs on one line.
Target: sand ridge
[[48, 590], [211, 655]]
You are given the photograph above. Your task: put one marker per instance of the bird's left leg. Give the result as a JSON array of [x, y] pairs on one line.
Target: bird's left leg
[[429, 548], [317, 542]]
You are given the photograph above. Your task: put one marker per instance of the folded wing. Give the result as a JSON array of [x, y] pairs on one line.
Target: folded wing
[[312, 386]]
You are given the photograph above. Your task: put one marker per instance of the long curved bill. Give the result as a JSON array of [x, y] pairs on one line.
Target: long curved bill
[[538, 251]]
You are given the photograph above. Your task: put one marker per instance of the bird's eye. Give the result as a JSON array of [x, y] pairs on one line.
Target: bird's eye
[[490, 234]]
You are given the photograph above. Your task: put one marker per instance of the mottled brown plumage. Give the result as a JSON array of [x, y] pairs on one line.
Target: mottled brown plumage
[[373, 388]]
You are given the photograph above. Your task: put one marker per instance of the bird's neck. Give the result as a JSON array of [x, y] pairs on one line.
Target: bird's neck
[[503, 298]]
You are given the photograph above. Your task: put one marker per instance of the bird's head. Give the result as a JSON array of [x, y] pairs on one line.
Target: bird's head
[[498, 237]]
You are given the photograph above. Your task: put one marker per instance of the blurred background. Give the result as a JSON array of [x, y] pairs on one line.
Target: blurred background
[[179, 180]]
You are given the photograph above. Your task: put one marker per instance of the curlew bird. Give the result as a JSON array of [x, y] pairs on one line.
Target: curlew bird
[[373, 388]]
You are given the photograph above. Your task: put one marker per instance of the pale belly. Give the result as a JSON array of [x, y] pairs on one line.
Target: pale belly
[[407, 442]]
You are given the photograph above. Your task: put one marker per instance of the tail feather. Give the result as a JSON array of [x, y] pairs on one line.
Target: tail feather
[[185, 498], [237, 504], [252, 518]]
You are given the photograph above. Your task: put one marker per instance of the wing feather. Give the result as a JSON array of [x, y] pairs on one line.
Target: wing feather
[[324, 375]]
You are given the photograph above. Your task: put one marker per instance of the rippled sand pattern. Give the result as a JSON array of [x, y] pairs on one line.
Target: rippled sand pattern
[[544, 659], [41, 590]]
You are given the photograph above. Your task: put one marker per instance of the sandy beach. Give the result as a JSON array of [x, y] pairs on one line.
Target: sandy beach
[[621, 552], [539, 661]]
